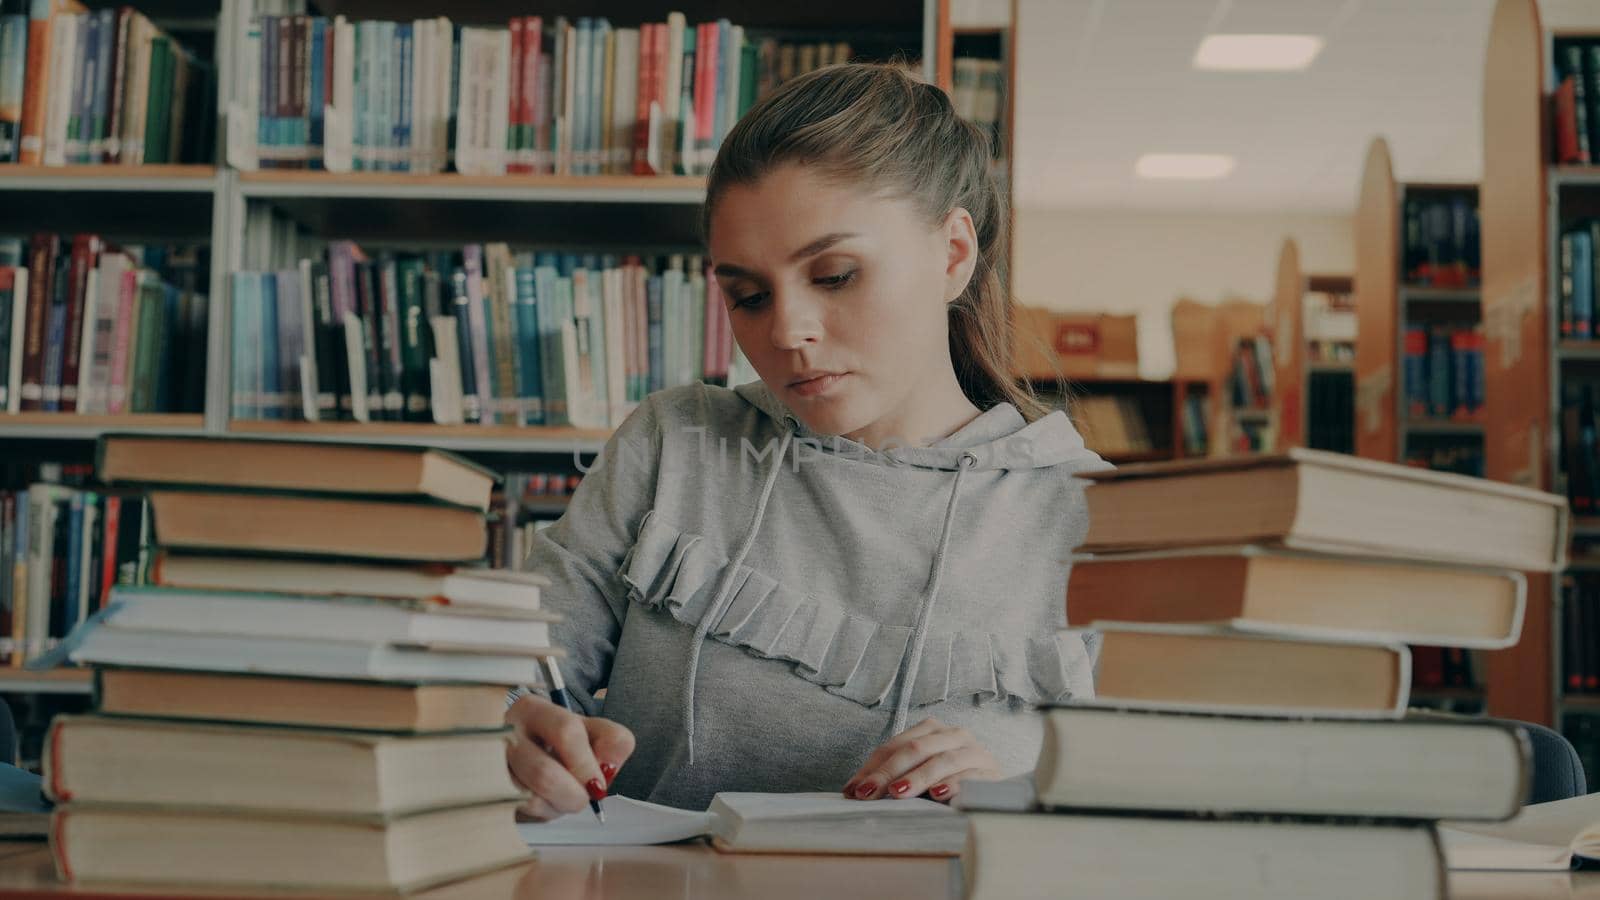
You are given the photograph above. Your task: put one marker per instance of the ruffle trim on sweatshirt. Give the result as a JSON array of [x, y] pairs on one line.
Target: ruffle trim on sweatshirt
[[848, 655]]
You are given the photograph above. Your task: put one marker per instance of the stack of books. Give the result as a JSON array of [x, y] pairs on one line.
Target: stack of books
[[310, 693], [1249, 734]]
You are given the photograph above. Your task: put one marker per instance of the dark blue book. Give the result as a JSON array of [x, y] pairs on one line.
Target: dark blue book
[[402, 120], [318, 95], [271, 375], [1414, 371], [55, 336], [1461, 368], [166, 346], [82, 101], [1475, 377], [460, 305], [74, 573], [657, 358], [97, 130], [1583, 283], [1439, 373]]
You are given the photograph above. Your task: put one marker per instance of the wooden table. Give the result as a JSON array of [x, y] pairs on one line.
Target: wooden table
[[685, 871]]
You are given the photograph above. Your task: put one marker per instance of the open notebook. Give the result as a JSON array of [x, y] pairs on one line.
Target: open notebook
[[769, 823], [1554, 836]]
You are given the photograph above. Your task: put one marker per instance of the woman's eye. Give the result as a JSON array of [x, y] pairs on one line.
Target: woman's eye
[[835, 281], [749, 300]]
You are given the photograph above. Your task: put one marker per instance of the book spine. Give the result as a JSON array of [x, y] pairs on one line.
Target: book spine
[[529, 382], [1583, 258], [85, 68], [415, 335], [390, 350], [13, 74], [333, 386], [122, 341], [461, 306], [35, 85], [101, 85], [290, 336], [64, 32], [85, 256], [368, 305], [10, 299]]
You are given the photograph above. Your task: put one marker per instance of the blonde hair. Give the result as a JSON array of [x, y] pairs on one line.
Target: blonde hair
[[880, 126]]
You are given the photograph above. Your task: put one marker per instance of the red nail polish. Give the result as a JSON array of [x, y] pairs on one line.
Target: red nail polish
[[939, 791], [900, 787], [865, 789], [609, 771], [597, 791]]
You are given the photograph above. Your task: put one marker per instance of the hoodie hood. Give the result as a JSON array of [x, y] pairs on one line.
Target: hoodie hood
[[999, 438]]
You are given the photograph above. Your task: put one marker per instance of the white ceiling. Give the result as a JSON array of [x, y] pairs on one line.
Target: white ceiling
[[1103, 81]]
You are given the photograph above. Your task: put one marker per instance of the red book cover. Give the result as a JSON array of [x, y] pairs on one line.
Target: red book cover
[[108, 556], [85, 256], [650, 36], [705, 86], [35, 90], [516, 162], [41, 275], [1564, 121]]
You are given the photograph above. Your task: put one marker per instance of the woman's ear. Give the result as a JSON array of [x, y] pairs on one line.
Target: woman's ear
[[960, 239]]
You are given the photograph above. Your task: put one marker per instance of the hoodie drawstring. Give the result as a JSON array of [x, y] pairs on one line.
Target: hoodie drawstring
[[919, 635], [725, 591]]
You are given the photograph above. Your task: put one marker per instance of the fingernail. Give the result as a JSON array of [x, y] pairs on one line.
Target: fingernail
[[597, 791], [900, 787], [609, 771], [939, 791], [850, 789], [865, 790]]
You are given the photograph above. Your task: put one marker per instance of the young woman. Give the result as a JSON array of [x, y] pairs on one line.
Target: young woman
[[773, 582]]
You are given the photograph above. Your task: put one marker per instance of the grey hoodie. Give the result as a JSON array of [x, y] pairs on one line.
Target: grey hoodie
[[753, 595]]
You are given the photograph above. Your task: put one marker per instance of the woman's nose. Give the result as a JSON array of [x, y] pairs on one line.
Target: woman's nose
[[796, 321]]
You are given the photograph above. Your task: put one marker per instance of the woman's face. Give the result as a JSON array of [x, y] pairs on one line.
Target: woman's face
[[838, 298]]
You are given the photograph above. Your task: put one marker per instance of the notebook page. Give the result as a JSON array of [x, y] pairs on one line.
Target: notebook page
[[628, 822]]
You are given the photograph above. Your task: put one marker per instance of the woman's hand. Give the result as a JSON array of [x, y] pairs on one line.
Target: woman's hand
[[929, 757], [562, 758]]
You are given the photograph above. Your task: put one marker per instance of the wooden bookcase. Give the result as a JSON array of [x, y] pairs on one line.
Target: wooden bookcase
[[210, 205]]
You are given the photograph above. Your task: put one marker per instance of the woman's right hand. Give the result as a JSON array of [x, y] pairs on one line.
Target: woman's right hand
[[562, 758]]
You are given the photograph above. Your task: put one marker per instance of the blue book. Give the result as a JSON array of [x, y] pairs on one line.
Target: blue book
[[318, 94], [548, 314], [1439, 373], [460, 307], [1582, 284], [13, 69], [69, 602], [530, 381], [653, 333], [1460, 366], [402, 106], [1475, 382], [244, 401], [267, 337], [361, 85], [88, 62], [100, 101], [55, 339], [169, 318], [583, 46], [597, 81]]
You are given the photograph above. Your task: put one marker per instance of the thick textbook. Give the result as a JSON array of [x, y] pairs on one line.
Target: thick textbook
[[1315, 500]]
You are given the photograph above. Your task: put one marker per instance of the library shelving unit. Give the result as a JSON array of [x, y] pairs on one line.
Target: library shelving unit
[[1158, 403], [1307, 391], [1390, 302], [1524, 200], [220, 207]]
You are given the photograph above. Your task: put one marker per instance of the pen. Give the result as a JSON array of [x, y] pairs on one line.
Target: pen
[[558, 696]]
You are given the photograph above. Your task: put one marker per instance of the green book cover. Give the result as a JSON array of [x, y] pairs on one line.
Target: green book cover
[[415, 341], [160, 101], [148, 341]]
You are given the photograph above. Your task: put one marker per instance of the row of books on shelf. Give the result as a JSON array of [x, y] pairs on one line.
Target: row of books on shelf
[[977, 91], [1250, 381], [481, 336], [1580, 444], [1196, 424], [1443, 371], [1457, 457], [89, 327], [1441, 667], [1577, 278], [1580, 634], [1330, 411], [541, 95], [1575, 107], [1253, 436], [62, 548], [82, 87], [1440, 241]]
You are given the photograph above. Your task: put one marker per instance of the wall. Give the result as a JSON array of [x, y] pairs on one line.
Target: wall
[[1140, 262]]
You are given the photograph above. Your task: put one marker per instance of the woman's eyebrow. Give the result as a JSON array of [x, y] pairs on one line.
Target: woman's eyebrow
[[811, 249]]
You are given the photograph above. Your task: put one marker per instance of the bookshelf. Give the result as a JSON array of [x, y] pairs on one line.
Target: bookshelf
[[212, 205], [1313, 399], [1165, 417]]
